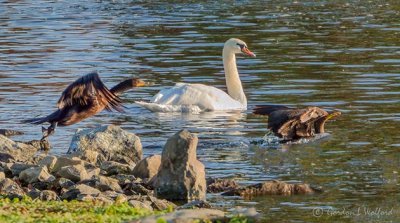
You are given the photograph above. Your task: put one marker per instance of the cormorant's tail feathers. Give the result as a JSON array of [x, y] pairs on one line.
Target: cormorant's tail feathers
[[268, 109]]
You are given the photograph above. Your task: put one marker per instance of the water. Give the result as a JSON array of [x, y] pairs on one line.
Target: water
[[343, 55]]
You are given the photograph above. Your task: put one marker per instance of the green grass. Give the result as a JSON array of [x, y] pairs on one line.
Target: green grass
[[28, 210]]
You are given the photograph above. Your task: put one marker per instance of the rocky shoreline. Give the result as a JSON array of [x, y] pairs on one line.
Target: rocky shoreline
[[106, 164]]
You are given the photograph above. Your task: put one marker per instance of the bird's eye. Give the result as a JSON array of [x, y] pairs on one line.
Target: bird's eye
[[241, 45]]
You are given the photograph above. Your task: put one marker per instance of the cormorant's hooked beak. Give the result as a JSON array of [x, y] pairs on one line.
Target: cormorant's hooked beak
[[141, 83], [246, 51], [333, 114]]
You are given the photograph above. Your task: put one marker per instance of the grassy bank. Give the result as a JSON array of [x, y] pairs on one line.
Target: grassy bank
[[28, 210]]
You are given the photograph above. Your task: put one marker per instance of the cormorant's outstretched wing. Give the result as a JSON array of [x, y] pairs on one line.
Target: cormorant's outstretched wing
[[88, 90]]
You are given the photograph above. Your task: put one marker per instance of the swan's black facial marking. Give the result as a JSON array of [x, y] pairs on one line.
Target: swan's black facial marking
[[242, 46]]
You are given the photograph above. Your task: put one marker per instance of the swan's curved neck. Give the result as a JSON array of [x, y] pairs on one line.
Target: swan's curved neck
[[233, 83]]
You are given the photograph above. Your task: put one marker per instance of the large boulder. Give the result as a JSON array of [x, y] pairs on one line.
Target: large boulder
[[18, 151], [36, 174], [75, 173], [181, 175], [66, 161], [148, 167], [80, 190], [14, 169], [111, 142], [49, 162]]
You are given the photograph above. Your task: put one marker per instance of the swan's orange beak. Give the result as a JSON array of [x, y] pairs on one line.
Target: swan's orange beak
[[246, 51]]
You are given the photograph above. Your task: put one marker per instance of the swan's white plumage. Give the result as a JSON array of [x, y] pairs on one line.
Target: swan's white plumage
[[198, 97], [185, 97]]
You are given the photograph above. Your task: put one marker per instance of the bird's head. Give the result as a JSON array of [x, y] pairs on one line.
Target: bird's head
[[136, 82], [238, 46]]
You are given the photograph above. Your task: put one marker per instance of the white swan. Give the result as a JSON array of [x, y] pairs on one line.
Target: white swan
[[199, 97]]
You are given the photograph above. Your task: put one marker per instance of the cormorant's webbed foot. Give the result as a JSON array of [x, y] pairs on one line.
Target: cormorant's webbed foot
[[49, 131]]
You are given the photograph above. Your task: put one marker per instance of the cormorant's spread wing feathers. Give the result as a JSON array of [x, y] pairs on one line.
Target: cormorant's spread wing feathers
[[87, 90]]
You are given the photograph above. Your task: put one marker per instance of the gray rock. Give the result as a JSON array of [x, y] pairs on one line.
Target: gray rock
[[75, 173], [92, 172], [90, 156], [11, 189], [112, 168], [48, 195], [19, 151], [140, 205], [98, 198], [115, 196], [195, 204], [64, 183], [103, 183], [80, 190], [65, 161], [147, 167], [137, 189], [181, 175], [124, 179], [186, 216], [14, 169], [33, 193], [153, 202], [36, 174], [111, 142], [49, 162], [7, 158]]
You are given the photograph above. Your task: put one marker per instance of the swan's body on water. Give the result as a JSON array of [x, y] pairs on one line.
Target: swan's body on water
[[185, 97]]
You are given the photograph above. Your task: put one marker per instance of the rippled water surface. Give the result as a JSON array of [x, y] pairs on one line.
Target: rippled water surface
[[343, 56]]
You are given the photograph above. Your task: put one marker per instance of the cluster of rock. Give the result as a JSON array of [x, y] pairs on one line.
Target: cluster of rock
[[106, 164]]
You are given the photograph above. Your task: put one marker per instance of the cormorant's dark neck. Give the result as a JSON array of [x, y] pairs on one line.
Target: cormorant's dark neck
[[122, 87]]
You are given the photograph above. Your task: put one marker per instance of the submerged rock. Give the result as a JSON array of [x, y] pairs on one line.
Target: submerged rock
[[274, 187], [220, 185], [181, 175], [9, 132], [18, 151], [148, 167], [111, 142]]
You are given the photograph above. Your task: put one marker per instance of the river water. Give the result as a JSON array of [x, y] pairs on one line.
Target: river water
[[342, 55]]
